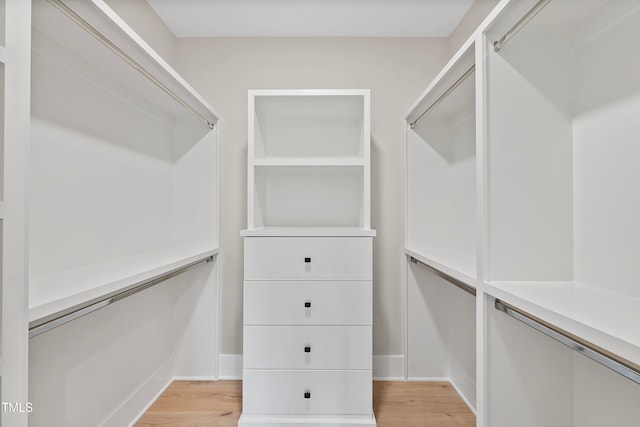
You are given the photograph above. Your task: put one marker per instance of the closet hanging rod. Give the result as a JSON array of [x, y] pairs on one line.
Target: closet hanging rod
[[469, 289], [76, 312], [115, 49], [612, 361], [498, 44], [444, 95]]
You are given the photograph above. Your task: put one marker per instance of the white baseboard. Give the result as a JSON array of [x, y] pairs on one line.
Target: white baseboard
[[230, 367], [194, 378], [464, 398], [388, 368], [430, 379], [129, 412]]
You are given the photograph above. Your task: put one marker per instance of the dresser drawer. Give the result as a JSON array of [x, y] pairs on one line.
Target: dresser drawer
[[307, 347], [307, 258], [307, 303], [307, 392]]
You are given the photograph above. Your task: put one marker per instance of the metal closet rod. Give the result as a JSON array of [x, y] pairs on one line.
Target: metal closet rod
[[444, 95], [115, 49], [469, 289], [498, 44], [612, 361], [92, 306]]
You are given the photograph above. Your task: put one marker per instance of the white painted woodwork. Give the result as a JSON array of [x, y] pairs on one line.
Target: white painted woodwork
[[284, 303], [14, 147], [547, 217], [441, 170], [442, 195], [308, 260], [309, 149], [307, 232], [331, 392], [123, 188], [330, 347], [441, 322], [562, 145], [284, 258]]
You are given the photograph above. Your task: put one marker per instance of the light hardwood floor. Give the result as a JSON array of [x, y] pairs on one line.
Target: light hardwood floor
[[396, 404]]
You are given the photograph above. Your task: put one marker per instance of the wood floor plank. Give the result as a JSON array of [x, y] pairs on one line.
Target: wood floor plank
[[396, 404]]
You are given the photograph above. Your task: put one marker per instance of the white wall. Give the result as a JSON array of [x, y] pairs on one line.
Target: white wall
[[476, 14], [396, 71], [139, 16]]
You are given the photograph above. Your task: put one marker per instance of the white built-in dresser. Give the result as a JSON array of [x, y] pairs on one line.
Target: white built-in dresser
[[307, 356]]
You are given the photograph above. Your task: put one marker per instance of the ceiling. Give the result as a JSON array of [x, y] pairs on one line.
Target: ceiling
[[311, 18]]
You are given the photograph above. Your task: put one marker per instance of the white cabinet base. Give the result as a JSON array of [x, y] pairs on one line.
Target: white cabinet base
[[270, 421]]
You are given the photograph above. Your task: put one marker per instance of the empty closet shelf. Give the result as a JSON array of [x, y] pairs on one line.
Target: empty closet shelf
[[607, 319], [465, 287], [60, 293], [457, 264]]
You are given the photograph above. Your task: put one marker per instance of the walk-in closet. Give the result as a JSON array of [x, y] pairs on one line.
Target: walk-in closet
[[271, 213]]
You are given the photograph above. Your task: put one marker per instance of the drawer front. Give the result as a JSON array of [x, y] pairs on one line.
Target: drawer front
[[307, 392], [308, 258], [307, 303], [307, 347]]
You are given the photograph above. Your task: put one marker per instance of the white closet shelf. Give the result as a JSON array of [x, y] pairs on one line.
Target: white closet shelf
[[58, 292], [457, 263], [459, 64], [607, 319], [308, 232], [133, 63]]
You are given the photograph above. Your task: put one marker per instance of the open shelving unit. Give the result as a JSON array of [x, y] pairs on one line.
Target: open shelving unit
[[320, 138], [562, 212], [123, 195], [549, 216], [442, 165], [308, 260], [111, 197]]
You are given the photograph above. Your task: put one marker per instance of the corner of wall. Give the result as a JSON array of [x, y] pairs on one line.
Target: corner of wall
[[469, 23]]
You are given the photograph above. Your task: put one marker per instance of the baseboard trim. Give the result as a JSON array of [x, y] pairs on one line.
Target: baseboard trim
[[463, 397], [142, 397], [429, 379], [230, 367], [195, 378], [388, 368]]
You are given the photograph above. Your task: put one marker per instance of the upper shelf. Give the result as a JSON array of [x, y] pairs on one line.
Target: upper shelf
[[308, 124], [102, 39], [444, 86]]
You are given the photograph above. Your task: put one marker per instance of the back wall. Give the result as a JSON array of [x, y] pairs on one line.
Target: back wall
[[395, 69]]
